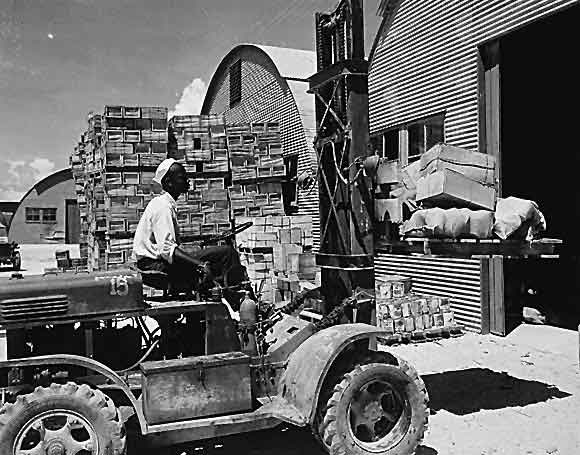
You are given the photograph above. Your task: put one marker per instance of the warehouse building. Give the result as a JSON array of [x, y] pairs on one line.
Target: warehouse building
[[495, 76], [256, 83], [48, 212]]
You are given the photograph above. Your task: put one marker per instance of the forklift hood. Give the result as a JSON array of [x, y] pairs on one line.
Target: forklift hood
[[68, 297]]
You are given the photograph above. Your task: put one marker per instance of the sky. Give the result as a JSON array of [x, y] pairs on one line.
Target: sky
[[61, 59]]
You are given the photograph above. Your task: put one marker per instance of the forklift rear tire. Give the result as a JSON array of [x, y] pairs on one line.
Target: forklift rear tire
[[62, 419], [17, 262], [377, 409]]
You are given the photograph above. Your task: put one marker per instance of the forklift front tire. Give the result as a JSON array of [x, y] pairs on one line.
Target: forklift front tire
[[62, 419], [377, 409]]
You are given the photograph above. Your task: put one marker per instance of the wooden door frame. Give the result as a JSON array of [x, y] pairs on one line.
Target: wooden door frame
[[67, 233], [489, 107]]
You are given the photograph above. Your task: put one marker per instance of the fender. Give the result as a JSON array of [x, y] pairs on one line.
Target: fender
[[307, 367], [84, 362]]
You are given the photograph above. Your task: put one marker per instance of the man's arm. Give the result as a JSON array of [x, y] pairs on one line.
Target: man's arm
[[164, 232]]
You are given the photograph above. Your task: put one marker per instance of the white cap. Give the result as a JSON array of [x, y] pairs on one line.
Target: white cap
[[162, 169]]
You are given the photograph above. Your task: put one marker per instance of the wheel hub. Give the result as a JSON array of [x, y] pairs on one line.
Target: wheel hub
[[373, 411], [57, 432], [55, 447], [378, 415]]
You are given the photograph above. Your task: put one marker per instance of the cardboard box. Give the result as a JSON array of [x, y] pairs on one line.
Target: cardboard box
[[447, 189], [388, 172], [389, 210], [476, 166]]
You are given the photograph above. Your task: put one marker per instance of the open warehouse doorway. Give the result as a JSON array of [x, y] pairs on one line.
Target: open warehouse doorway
[[530, 121]]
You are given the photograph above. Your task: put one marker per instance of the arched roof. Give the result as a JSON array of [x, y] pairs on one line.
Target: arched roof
[[48, 182], [291, 64]]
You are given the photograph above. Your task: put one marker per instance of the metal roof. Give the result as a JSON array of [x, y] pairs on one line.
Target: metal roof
[[291, 63]]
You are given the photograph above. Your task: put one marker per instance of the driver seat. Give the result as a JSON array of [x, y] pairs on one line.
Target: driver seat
[[160, 280], [155, 279]]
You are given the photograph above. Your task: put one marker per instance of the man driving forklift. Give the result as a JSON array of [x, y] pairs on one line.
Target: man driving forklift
[[156, 244]]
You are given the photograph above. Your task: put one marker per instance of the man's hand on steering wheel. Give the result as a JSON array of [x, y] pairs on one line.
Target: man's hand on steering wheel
[[205, 272]]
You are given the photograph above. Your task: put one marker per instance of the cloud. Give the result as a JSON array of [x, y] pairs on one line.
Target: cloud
[[18, 176], [43, 167], [191, 99]]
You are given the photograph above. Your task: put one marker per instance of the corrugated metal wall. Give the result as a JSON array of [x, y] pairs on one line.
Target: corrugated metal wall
[[458, 279], [268, 97], [425, 62]]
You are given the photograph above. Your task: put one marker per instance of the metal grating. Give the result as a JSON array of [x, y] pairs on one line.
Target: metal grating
[[33, 308], [457, 279]]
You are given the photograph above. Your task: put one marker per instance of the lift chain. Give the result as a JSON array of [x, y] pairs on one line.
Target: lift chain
[[336, 314]]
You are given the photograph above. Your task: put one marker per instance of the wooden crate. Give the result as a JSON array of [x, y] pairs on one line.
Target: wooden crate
[[114, 136], [113, 111], [132, 136], [154, 112], [131, 112]]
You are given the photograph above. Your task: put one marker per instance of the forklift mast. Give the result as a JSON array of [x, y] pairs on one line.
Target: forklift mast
[[346, 204]]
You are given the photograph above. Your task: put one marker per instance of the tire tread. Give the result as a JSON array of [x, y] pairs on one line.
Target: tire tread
[[330, 434], [83, 393]]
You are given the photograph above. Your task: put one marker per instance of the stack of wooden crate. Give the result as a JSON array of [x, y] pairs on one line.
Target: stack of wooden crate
[[199, 143], [77, 164], [276, 251], [407, 316], [82, 163], [258, 169], [122, 149]]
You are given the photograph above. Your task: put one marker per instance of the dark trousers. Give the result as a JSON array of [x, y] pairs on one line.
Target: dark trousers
[[220, 259]]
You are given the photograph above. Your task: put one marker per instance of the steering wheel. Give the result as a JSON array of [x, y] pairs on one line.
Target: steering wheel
[[226, 235]]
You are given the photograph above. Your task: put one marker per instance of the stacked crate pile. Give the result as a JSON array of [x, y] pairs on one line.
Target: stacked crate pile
[[83, 167], [407, 316], [277, 252], [257, 169], [199, 143], [77, 164], [119, 174]]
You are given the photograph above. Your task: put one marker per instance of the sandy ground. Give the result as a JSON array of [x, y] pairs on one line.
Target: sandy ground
[[490, 395], [518, 395]]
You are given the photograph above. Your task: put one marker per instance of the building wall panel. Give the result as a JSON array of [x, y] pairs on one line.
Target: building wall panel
[[425, 61]]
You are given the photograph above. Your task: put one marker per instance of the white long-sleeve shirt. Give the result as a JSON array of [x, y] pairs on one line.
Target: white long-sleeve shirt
[[157, 233]]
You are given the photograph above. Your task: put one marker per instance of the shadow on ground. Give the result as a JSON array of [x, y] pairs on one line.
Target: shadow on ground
[[279, 441], [466, 391]]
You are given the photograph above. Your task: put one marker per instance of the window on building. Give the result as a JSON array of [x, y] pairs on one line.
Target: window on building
[[40, 215], [32, 215], [49, 215], [235, 83], [408, 142]]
